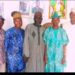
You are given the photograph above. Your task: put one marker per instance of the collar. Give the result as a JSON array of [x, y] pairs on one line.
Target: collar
[[36, 25]]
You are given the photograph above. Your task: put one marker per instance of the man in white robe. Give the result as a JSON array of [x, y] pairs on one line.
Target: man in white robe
[[70, 55], [34, 45]]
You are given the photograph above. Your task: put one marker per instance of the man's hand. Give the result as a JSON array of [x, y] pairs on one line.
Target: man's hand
[[45, 60], [46, 25], [26, 59], [63, 61]]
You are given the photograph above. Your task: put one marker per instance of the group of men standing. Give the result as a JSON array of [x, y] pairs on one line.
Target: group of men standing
[[35, 49]]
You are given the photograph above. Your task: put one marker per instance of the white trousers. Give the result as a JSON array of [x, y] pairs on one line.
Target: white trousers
[[3, 67]]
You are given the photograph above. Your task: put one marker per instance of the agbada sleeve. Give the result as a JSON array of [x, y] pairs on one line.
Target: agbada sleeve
[[6, 41], [45, 33], [65, 38], [26, 43]]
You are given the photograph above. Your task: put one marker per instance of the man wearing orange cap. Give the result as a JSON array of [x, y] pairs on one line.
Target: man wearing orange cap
[[14, 45]]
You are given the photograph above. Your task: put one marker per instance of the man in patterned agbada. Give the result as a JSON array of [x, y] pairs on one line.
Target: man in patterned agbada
[[14, 39], [56, 40]]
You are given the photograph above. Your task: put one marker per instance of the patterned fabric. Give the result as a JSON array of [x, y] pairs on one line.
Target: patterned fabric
[[55, 39], [2, 49], [14, 49]]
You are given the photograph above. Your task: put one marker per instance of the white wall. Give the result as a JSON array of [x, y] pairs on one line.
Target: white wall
[[11, 5]]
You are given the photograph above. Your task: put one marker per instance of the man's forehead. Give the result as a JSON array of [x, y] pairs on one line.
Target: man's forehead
[[1, 20], [72, 13], [38, 14]]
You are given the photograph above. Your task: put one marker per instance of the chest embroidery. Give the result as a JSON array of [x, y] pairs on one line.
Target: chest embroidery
[[33, 34]]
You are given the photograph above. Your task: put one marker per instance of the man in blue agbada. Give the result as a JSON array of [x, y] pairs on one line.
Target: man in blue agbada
[[14, 38], [56, 40]]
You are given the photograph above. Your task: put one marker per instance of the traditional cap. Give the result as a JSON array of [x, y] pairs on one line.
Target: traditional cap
[[2, 18], [16, 14], [73, 10], [55, 15]]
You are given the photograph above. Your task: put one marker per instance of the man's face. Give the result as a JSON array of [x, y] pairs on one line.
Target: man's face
[[55, 21], [72, 18], [1, 23], [38, 18], [18, 22]]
